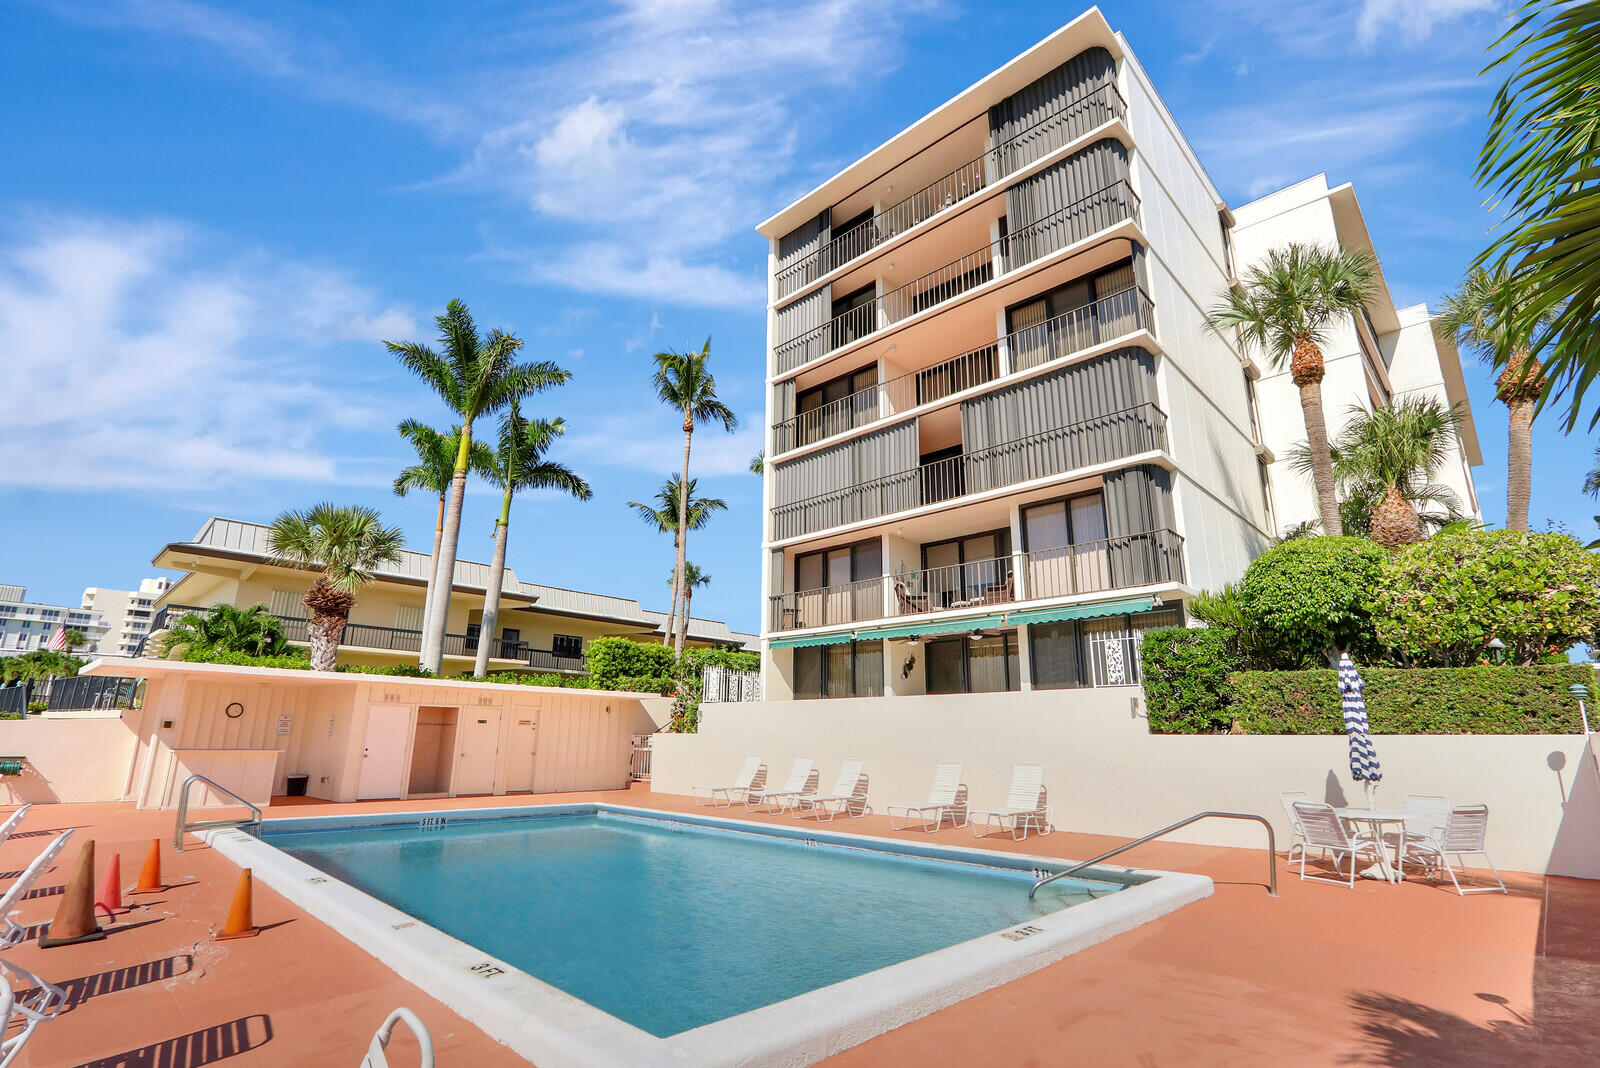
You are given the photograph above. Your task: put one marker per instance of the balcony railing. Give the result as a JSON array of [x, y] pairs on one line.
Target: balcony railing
[[849, 602], [1054, 339], [391, 639], [1086, 215], [1055, 128], [1100, 439], [954, 586], [1108, 564]]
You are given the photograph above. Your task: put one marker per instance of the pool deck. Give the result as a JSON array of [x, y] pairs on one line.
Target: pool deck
[[1410, 975]]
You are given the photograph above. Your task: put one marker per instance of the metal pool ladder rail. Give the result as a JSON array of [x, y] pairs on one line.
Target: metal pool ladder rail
[[1272, 848], [184, 826]]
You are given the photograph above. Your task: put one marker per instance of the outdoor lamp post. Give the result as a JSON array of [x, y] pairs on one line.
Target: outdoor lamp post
[[1579, 691], [1497, 649]]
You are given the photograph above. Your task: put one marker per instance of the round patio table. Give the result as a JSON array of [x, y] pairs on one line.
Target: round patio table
[[1377, 819]]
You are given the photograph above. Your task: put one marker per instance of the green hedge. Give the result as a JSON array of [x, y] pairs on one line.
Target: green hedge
[[1185, 672], [610, 660], [293, 661], [1473, 700]]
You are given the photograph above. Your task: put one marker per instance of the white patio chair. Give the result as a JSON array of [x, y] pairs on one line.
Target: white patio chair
[[40, 1001], [13, 822], [1297, 833], [752, 776], [849, 795], [947, 799], [1323, 830], [1025, 806], [377, 1057], [802, 781], [11, 932], [1462, 836], [1425, 817]]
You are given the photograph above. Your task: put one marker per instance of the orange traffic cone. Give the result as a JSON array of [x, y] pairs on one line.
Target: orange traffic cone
[[239, 923], [74, 920], [109, 900], [150, 875]]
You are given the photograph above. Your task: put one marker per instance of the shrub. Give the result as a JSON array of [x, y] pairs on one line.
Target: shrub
[[547, 678], [610, 660], [1472, 700], [1308, 597], [1185, 672], [410, 671], [1443, 600], [642, 684], [37, 706], [295, 661], [13, 715]]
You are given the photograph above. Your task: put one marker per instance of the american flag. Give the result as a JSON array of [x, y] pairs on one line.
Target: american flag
[[58, 640]]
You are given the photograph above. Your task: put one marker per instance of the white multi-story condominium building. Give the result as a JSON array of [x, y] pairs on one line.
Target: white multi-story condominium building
[[127, 613], [1001, 441], [28, 625]]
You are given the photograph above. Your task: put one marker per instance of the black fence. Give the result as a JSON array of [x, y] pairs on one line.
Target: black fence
[[92, 691], [13, 700]]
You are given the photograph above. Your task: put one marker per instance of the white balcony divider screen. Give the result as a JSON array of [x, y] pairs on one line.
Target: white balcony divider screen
[[1051, 111], [286, 603], [802, 242], [1139, 499], [1084, 193], [1088, 413], [801, 320], [855, 480]]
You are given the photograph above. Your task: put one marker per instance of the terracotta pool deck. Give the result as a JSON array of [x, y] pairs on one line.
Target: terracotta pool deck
[[1410, 975]]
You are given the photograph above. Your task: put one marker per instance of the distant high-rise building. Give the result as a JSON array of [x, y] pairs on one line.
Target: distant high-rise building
[[127, 614], [28, 625]]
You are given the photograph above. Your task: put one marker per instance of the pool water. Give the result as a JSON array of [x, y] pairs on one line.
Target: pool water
[[670, 925]]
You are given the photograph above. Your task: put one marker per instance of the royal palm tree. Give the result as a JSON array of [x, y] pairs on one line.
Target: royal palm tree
[[1484, 315], [693, 579], [226, 629], [684, 382], [435, 467], [758, 463], [519, 464], [344, 544], [663, 516], [1285, 310], [1541, 163], [1385, 462], [474, 376]]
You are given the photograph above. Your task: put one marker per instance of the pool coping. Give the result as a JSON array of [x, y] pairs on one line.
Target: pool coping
[[555, 1029]]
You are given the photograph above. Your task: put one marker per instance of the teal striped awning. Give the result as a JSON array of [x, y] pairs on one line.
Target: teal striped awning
[[803, 641], [943, 626], [1125, 607]]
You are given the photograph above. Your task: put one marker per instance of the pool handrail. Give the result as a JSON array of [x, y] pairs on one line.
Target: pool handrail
[[183, 824], [1272, 849]]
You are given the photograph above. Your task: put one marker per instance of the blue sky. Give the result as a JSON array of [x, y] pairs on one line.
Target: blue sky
[[211, 215]]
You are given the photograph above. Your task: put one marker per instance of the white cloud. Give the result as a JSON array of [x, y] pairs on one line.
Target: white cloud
[[138, 360], [1413, 20], [622, 271], [616, 441]]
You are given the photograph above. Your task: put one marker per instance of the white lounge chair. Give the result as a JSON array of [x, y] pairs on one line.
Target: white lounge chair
[[1324, 830], [13, 821], [377, 1058], [1025, 806], [1297, 833], [849, 795], [802, 781], [752, 776], [40, 1001], [947, 799], [1462, 835], [11, 932]]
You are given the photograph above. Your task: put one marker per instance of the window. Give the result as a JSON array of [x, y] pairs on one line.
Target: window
[[831, 586], [1266, 496], [1255, 411], [975, 569], [1074, 316], [846, 669], [566, 645], [968, 664], [1067, 548], [1092, 652], [825, 410], [854, 315], [1227, 245]]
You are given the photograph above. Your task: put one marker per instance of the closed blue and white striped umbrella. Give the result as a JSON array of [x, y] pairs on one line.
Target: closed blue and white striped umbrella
[[1364, 767]]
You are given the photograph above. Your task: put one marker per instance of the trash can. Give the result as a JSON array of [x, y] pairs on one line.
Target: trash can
[[297, 785]]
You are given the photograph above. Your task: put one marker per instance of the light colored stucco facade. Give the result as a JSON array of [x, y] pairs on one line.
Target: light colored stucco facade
[[26, 626], [127, 614]]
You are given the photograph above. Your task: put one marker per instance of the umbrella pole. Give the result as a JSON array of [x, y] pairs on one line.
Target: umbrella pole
[[1372, 793]]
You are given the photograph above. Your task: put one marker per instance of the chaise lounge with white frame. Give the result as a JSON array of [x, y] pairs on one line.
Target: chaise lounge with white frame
[[13, 821], [752, 776], [802, 782], [1462, 835], [11, 932], [40, 1000], [849, 795], [1025, 806], [1325, 831], [947, 799]]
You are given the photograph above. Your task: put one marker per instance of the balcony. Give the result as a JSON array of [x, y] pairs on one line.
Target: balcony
[[387, 639], [1072, 119], [1086, 443], [1089, 214], [1033, 346], [851, 602]]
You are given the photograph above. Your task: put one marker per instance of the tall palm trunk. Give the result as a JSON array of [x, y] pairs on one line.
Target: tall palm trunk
[[490, 626], [445, 570], [1519, 387], [330, 613], [671, 630], [683, 531], [1306, 370], [433, 563]]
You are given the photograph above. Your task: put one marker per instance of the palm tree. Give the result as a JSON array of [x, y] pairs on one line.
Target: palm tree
[[663, 515], [74, 638], [1385, 461], [693, 579], [1285, 310], [758, 463], [474, 376], [1541, 162], [226, 629], [684, 382], [435, 467], [520, 464], [345, 544], [1485, 315]]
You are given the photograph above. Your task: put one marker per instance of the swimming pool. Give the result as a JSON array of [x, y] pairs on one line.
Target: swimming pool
[[615, 935]]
